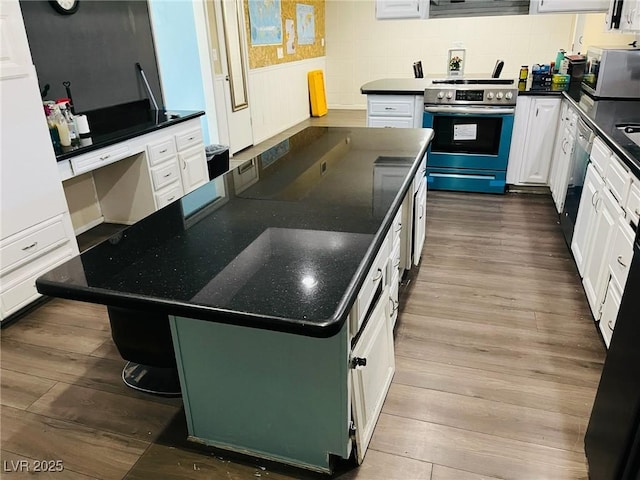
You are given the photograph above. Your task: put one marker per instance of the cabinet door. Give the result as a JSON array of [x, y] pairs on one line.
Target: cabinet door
[[401, 9], [583, 230], [630, 16], [564, 165], [610, 308], [518, 138], [15, 57], [420, 222], [541, 131], [596, 272], [193, 168], [557, 147], [370, 382]]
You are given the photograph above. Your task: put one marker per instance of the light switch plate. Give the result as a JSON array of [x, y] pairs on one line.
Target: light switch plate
[[280, 52]]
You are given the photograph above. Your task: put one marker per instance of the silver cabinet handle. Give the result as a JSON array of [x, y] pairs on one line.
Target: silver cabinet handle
[[190, 138], [166, 175], [396, 264], [394, 305], [171, 199], [398, 228], [377, 276], [621, 262], [610, 325], [104, 157], [593, 198], [163, 151], [184, 164], [637, 212], [389, 108], [29, 247]]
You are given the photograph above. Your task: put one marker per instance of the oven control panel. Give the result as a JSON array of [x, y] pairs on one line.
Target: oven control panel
[[470, 95]]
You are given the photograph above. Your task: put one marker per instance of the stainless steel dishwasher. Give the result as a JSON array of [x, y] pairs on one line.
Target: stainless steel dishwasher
[[577, 172]]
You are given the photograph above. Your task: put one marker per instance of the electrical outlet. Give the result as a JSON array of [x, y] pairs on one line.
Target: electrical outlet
[[280, 52]]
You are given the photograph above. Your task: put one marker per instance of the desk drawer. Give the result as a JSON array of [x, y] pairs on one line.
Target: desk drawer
[[22, 247], [105, 156], [164, 175], [159, 152], [168, 195], [189, 139]]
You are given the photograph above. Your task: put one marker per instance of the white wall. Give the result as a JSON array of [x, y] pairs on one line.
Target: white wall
[[361, 48]]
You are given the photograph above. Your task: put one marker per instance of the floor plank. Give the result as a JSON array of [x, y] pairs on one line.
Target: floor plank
[[20, 390], [84, 450], [110, 412]]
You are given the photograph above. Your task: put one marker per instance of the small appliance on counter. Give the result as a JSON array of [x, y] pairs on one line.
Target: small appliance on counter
[[575, 70], [612, 73]]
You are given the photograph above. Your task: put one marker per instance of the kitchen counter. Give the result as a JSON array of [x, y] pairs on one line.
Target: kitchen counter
[[118, 123], [396, 86], [603, 116], [287, 250]]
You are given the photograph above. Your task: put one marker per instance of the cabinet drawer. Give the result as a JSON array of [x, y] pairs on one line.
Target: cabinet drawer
[[387, 122], [396, 227], [20, 288], [610, 309], [391, 106], [168, 195], [374, 279], [618, 179], [621, 252], [86, 163], [189, 139], [24, 246], [633, 202], [600, 154], [165, 175], [159, 152]]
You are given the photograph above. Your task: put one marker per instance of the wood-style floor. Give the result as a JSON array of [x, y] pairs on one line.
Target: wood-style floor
[[497, 364]]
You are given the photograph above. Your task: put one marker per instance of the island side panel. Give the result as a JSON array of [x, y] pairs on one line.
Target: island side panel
[[270, 394]]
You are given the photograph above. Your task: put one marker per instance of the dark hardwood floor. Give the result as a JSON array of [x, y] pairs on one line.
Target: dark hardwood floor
[[498, 361]]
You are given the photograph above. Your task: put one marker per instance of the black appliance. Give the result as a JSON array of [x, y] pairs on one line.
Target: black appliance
[[612, 440]]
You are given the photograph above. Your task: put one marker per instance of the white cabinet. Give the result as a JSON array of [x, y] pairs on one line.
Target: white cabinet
[[395, 111], [402, 9], [420, 221], [608, 213], [532, 141], [557, 6], [193, 165], [609, 311], [35, 225], [372, 369], [563, 151], [585, 220], [630, 18], [15, 57]]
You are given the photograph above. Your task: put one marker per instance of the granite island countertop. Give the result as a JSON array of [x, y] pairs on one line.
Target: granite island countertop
[[288, 252]]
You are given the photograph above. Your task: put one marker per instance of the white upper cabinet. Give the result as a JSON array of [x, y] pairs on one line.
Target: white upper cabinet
[[557, 6], [630, 16], [402, 9], [15, 58]]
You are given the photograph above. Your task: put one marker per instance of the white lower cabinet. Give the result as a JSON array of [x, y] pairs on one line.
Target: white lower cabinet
[[536, 121], [610, 307], [193, 168], [583, 231], [608, 213], [372, 368], [395, 111]]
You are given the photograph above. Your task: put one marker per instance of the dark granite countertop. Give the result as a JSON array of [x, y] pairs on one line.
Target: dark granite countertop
[[603, 116], [118, 123], [288, 253], [396, 86]]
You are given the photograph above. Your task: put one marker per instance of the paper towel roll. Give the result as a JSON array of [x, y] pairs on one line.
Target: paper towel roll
[[83, 124]]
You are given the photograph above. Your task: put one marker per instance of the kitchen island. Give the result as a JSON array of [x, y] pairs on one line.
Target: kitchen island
[[280, 281]]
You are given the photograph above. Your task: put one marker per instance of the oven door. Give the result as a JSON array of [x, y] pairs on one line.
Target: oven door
[[470, 148]]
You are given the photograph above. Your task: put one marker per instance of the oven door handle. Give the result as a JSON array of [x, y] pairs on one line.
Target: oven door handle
[[471, 110]]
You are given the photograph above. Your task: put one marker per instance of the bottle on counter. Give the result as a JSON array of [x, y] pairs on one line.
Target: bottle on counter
[[523, 77], [65, 109], [53, 131], [61, 125]]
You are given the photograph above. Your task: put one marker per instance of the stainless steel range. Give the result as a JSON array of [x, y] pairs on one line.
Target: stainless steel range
[[472, 121]]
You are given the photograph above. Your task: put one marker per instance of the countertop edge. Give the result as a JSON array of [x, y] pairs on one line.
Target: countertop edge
[[127, 136]]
